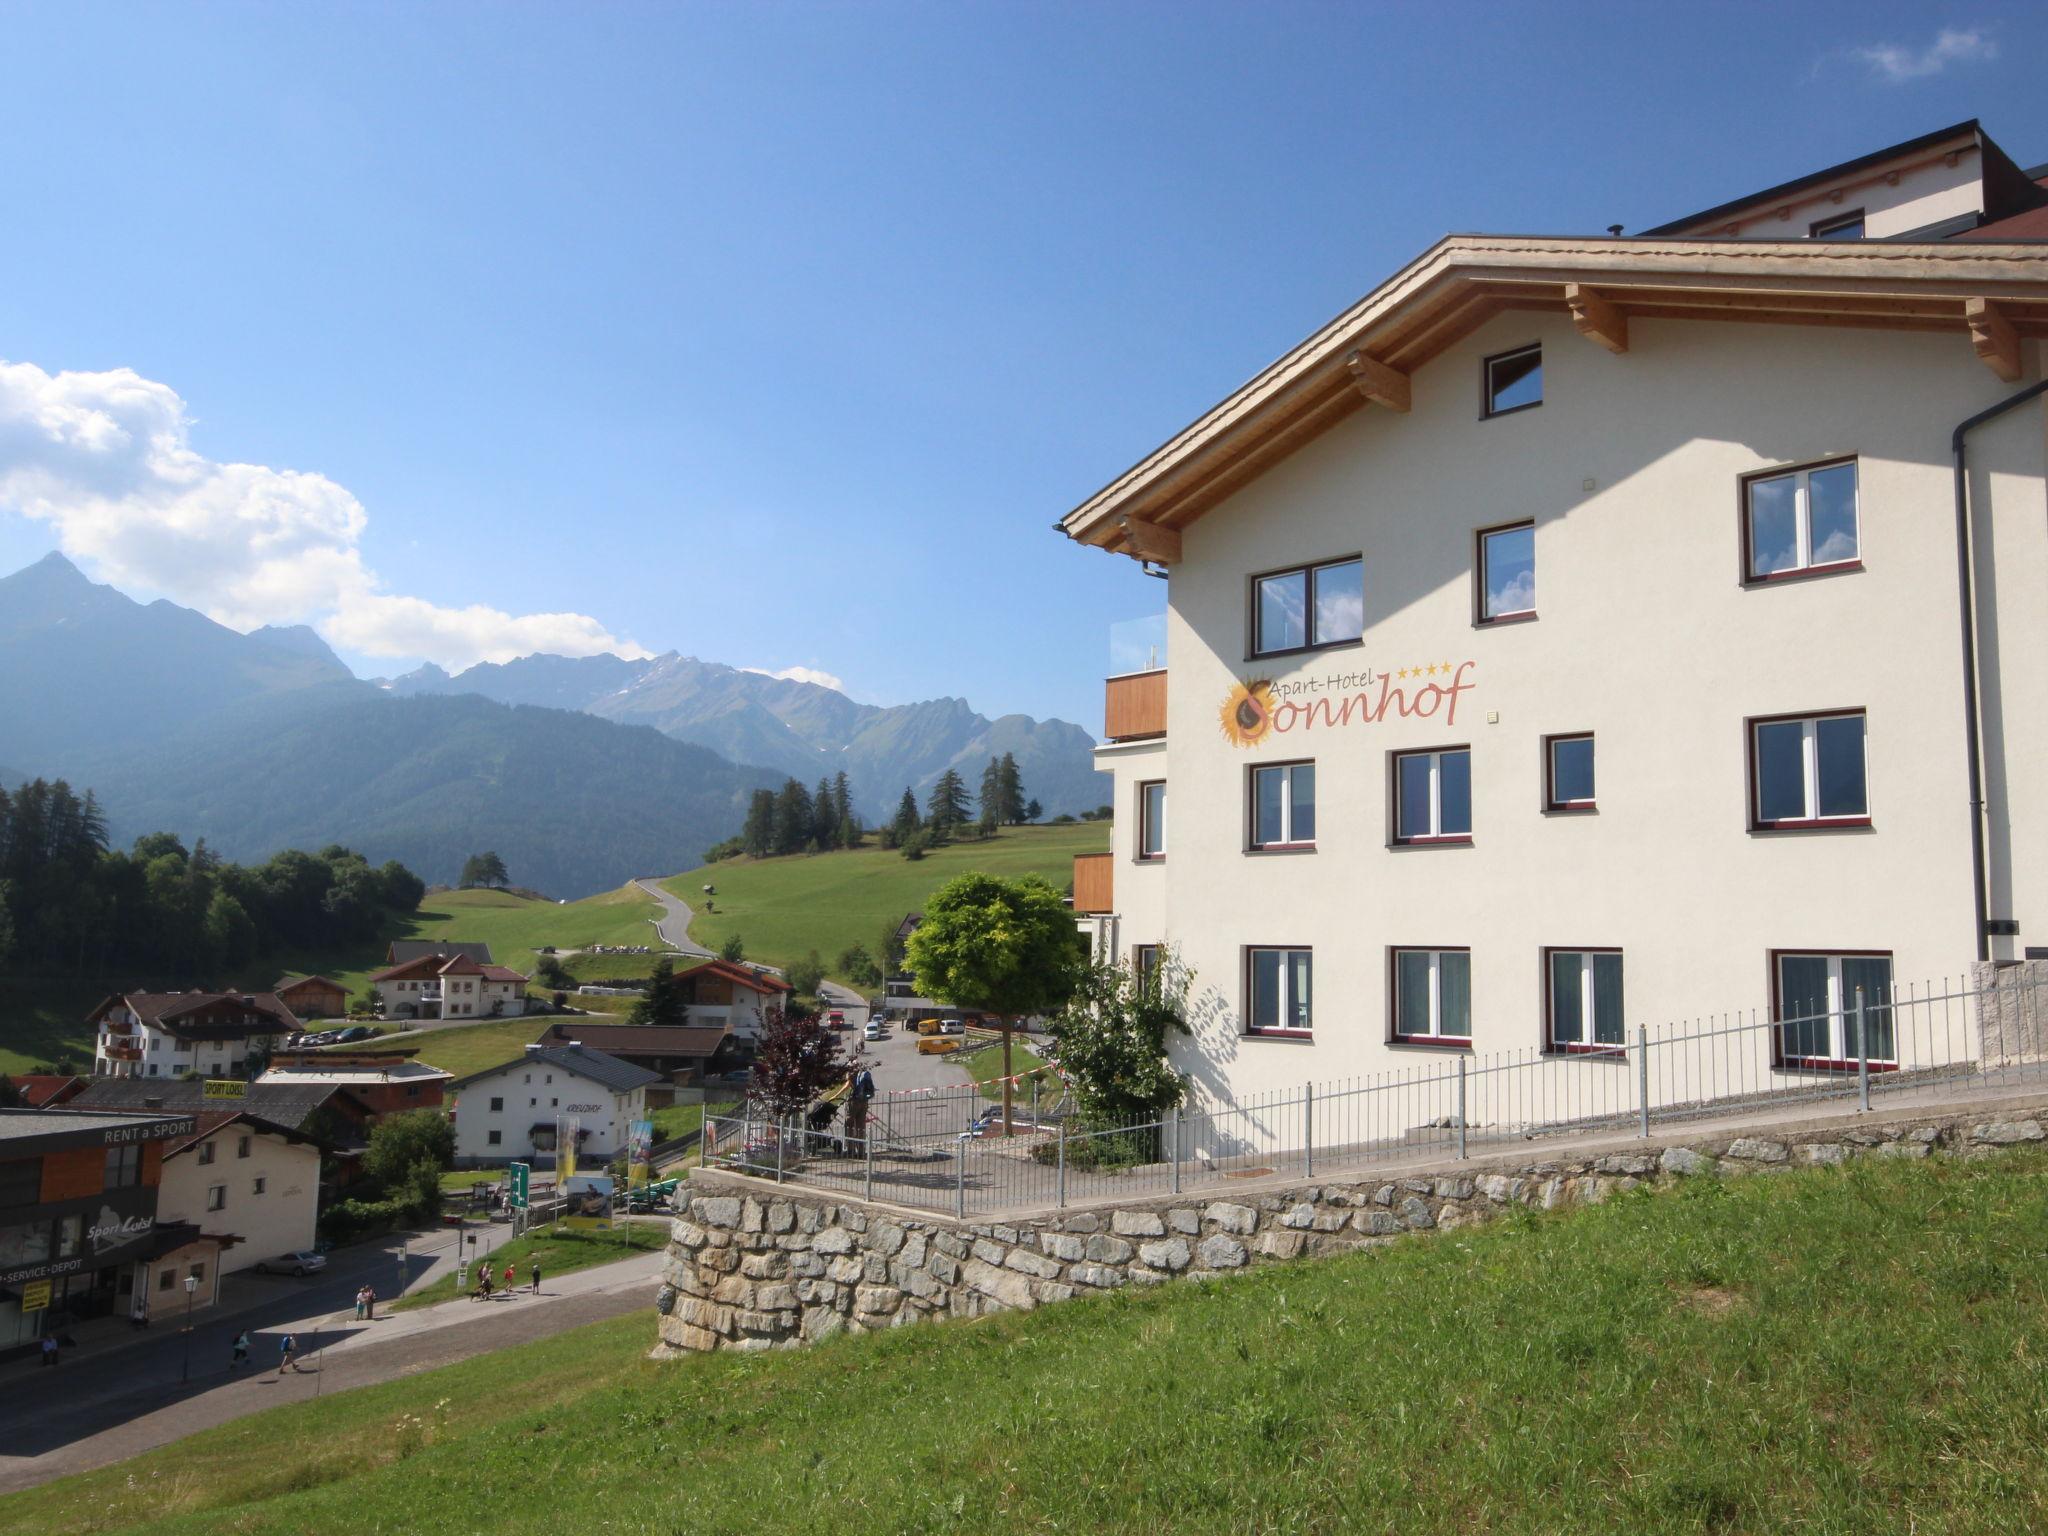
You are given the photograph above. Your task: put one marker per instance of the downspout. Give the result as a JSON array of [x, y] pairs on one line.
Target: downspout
[[1966, 590]]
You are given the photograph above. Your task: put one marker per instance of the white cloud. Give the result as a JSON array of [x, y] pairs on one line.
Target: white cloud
[[801, 675], [1895, 64], [106, 460]]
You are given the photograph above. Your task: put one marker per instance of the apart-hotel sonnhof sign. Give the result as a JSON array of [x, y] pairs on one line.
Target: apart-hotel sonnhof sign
[[1577, 631]]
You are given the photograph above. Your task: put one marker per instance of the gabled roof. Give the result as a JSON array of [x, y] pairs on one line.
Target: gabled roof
[[177, 1013], [606, 1071], [627, 1040], [212, 1120], [291, 983], [38, 1089], [281, 1103], [402, 950], [766, 982], [427, 967], [1367, 354]]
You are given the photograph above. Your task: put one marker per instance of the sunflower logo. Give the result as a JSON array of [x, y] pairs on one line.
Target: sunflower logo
[[1247, 713]]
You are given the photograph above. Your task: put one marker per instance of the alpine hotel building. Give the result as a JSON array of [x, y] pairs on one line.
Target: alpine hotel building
[[1579, 632]]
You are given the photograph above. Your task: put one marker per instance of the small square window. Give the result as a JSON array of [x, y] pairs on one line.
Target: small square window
[[259, 1185], [166, 1278], [206, 1150], [1514, 380], [494, 1138], [1585, 1000], [1433, 996], [1433, 796], [1808, 772], [217, 1197], [1309, 607], [1568, 773], [1152, 820], [1801, 521], [497, 1104], [1507, 573], [1279, 991], [1283, 811]]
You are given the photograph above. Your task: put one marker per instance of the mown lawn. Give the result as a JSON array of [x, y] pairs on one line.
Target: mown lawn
[[986, 1069], [783, 908], [1841, 1352], [560, 1251]]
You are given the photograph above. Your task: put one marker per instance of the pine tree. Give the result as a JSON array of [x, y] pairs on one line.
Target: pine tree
[[824, 817], [758, 836], [664, 1001], [1033, 810], [991, 800], [842, 810], [792, 817], [946, 806], [907, 820], [1010, 783]]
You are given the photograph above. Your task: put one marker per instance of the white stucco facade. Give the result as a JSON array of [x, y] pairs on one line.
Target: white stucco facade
[[509, 1114], [245, 1182], [1647, 635]]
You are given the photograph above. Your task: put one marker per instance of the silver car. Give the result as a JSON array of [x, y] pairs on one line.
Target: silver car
[[306, 1262]]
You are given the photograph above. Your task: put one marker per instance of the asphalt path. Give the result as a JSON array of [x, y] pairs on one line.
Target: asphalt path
[[674, 923]]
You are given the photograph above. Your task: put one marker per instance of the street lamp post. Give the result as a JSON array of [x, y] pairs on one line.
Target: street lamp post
[[191, 1289]]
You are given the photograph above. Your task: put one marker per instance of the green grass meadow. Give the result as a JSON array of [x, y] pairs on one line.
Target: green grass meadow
[[1856, 1351], [784, 907]]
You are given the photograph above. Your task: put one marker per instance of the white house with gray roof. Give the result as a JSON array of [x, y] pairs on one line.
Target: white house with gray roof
[[514, 1112]]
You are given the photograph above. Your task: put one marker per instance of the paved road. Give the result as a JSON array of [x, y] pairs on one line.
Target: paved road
[[674, 923], [108, 1408]]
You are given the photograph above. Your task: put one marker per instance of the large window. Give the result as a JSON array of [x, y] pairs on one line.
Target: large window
[[1278, 991], [1585, 999], [1433, 796], [1808, 771], [1568, 773], [1433, 996], [1801, 521], [1309, 607], [124, 1167], [1284, 806], [21, 1181], [1814, 1002], [1514, 380], [1507, 573], [1152, 820]]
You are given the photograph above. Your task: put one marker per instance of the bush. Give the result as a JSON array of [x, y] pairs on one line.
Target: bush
[[348, 1221], [805, 975], [732, 949], [858, 966]]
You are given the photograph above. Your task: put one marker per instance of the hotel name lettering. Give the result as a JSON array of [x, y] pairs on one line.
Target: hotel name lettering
[[1260, 708]]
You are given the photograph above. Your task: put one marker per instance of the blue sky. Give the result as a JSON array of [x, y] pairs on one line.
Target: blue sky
[[780, 334]]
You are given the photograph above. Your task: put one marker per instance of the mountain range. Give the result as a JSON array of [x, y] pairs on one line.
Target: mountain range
[[794, 727], [580, 772]]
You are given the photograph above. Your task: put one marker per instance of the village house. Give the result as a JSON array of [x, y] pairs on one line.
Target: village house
[[313, 997], [681, 1054], [449, 983], [376, 1083], [166, 1034], [733, 996], [1578, 631], [250, 1186], [515, 1111]]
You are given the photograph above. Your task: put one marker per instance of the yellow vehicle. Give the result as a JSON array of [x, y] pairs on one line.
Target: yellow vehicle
[[927, 1026], [937, 1045]]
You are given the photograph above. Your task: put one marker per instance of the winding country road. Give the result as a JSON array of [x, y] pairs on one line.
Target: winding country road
[[674, 923]]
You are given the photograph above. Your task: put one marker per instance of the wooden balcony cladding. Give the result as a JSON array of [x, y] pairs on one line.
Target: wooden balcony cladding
[[1094, 881], [1134, 706]]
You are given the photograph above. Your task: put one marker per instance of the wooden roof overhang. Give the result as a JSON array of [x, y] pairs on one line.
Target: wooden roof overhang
[[1990, 297]]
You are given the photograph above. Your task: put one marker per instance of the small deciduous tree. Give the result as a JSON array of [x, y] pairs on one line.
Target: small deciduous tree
[[483, 869], [406, 1156], [797, 1059], [858, 966], [1007, 947], [1112, 1037], [806, 973]]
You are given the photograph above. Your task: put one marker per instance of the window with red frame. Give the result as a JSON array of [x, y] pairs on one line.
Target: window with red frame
[[1279, 991], [1814, 1004], [1809, 771], [1433, 796], [1585, 1003]]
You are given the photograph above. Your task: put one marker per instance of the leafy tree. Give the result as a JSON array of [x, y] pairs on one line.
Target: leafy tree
[[986, 827], [1112, 1037], [758, 835], [550, 972], [946, 805], [483, 869], [407, 1155], [732, 949], [1007, 947], [230, 935], [797, 1059], [915, 844], [664, 1001], [858, 966], [805, 975], [1033, 810]]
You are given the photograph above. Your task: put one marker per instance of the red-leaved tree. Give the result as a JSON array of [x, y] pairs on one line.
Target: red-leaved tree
[[798, 1059]]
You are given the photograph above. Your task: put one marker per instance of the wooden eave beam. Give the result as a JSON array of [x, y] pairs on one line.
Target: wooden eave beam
[[1377, 382], [1149, 541], [1595, 318], [1991, 333]]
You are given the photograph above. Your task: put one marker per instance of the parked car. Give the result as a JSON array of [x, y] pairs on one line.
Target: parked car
[[301, 1263], [871, 1031], [836, 1018], [952, 1027], [354, 1032], [937, 1045], [927, 1026]]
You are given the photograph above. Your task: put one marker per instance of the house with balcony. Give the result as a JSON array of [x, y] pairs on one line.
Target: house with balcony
[[523, 1110], [449, 983], [167, 1034], [1581, 630]]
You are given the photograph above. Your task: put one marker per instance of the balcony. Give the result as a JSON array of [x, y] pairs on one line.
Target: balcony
[[1094, 882], [1134, 706]]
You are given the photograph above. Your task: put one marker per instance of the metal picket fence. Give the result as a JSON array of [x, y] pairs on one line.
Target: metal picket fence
[[945, 1152]]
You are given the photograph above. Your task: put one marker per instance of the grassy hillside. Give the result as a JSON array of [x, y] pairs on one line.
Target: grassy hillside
[[1851, 1350], [782, 908], [40, 1019]]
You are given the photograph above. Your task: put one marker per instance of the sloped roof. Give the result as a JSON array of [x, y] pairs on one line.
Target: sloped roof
[[1367, 353], [172, 1013], [291, 982], [212, 1120], [741, 975], [606, 1071], [643, 1039], [402, 950], [40, 1088], [289, 1104]]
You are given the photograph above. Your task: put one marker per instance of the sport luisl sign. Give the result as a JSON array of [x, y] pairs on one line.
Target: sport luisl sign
[[1259, 708]]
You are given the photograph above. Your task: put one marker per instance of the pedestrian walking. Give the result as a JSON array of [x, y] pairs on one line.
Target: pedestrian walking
[[240, 1357], [370, 1302], [511, 1278], [138, 1315], [49, 1349], [359, 1303], [287, 1347], [536, 1277]]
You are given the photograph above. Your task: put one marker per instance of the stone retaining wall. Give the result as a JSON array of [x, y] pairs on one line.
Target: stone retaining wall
[[755, 1264]]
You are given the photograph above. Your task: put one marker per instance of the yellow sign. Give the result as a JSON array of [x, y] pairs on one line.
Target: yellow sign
[[35, 1296], [218, 1088], [587, 1223]]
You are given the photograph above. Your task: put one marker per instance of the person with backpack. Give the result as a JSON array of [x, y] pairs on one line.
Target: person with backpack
[[287, 1347], [240, 1357]]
